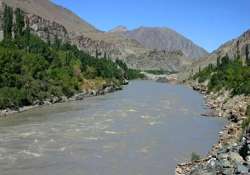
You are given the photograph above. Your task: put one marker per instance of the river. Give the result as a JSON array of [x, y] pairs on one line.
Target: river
[[144, 129]]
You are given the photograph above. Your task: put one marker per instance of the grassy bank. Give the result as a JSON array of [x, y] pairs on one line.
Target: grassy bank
[[33, 70]]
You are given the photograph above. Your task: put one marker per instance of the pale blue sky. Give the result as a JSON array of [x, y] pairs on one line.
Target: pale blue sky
[[209, 23]]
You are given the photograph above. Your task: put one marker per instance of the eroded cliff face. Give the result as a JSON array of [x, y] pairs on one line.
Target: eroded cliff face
[[233, 48], [48, 20], [40, 26]]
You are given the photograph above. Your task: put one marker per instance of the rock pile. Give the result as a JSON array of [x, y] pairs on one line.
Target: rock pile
[[231, 155]]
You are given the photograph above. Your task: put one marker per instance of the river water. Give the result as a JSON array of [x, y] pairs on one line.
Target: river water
[[143, 130]]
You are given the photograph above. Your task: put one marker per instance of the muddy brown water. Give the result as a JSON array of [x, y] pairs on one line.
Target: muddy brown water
[[143, 130]]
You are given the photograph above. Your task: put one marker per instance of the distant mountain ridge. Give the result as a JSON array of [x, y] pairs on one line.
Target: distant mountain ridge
[[232, 49], [119, 29], [164, 39], [49, 19]]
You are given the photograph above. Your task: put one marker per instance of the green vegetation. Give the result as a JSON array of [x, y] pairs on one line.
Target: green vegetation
[[135, 74], [229, 74], [195, 157], [32, 70], [130, 74], [159, 72]]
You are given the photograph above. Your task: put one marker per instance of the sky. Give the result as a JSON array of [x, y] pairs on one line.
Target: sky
[[208, 23]]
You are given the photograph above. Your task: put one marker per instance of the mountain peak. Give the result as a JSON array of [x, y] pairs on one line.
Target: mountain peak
[[119, 29], [163, 38]]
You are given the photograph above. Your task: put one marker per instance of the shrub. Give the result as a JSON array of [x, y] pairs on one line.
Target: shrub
[[195, 157], [230, 75]]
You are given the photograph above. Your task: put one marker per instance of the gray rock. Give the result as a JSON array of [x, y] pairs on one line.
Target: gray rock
[[79, 96], [64, 99], [248, 159], [241, 169], [47, 102], [235, 157], [226, 164]]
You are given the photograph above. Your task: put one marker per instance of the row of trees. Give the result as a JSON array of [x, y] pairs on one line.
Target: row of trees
[[32, 70], [229, 74], [8, 23]]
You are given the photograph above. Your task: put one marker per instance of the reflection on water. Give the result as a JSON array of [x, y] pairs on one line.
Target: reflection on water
[[143, 130]]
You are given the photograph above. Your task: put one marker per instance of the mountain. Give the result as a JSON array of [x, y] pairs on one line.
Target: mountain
[[166, 39], [48, 20], [231, 48], [119, 29], [52, 12]]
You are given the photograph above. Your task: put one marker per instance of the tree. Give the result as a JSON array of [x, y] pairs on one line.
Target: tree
[[20, 23], [7, 22], [218, 62], [96, 53], [225, 60], [238, 50], [105, 55], [57, 42], [46, 30], [247, 55], [27, 34]]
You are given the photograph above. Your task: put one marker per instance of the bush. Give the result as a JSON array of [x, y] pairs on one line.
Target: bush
[[135, 74], [230, 75], [12, 98], [159, 72], [195, 157]]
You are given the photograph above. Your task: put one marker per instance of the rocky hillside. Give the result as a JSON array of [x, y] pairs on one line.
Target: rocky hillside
[[231, 48], [165, 39], [52, 12], [49, 21], [119, 29]]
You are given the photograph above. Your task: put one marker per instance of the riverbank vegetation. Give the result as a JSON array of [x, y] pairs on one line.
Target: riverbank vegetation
[[159, 72], [33, 70], [233, 75], [230, 74]]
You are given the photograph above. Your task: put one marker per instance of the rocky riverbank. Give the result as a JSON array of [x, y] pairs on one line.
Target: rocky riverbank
[[231, 155], [101, 90], [163, 78]]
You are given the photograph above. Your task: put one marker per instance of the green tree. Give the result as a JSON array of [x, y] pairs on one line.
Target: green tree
[[57, 42], [20, 23], [8, 22], [46, 30], [27, 35], [247, 55], [238, 50], [218, 62], [225, 60], [105, 55], [96, 53]]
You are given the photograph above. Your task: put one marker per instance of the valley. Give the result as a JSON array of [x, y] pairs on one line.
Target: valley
[[147, 100]]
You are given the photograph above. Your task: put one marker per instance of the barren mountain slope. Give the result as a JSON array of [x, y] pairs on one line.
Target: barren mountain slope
[[45, 15], [53, 12], [164, 39], [229, 48]]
